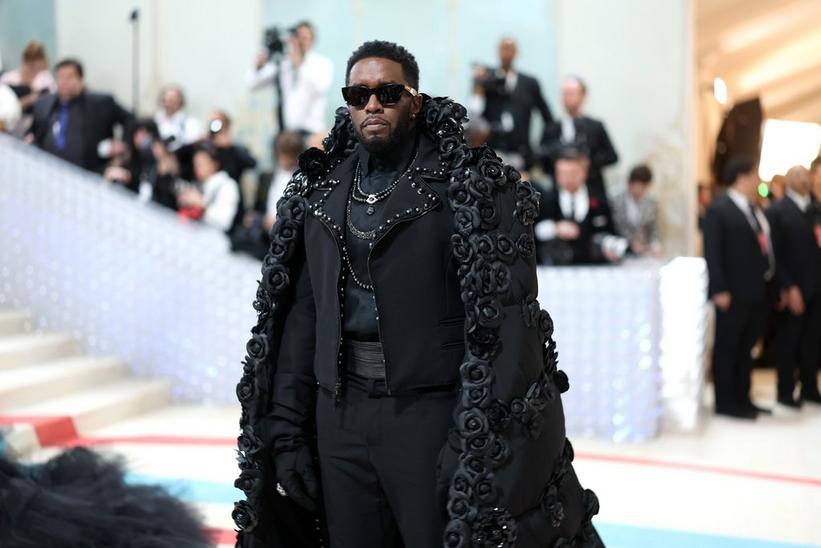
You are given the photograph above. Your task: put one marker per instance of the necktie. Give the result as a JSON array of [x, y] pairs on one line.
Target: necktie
[[759, 232], [62, 127]]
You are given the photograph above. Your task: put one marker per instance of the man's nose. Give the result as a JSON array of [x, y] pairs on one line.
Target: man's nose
[[373, 104]]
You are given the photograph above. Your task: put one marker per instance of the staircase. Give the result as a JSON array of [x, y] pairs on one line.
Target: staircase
[[50, 393]]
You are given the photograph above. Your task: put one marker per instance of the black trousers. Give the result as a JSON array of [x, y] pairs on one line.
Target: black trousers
[[377, 456], [737, 330], [798, 350]]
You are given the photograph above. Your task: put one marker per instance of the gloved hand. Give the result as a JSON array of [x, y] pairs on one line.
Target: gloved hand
[[295, 473]]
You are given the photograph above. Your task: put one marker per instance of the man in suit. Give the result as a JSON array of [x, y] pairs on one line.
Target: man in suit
[[506, 99], [581, 130], [740, 260], [799, 279], [635, 213], [574, 224], [73, 122]]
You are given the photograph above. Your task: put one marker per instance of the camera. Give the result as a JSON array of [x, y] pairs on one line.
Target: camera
[[275, 40], [215, 126]]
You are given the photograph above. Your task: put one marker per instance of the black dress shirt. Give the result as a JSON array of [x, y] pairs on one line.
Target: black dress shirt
[[359, 313]]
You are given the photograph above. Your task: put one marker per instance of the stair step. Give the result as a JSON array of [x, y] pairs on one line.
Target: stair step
[[32, 384], [31, 348], [101, 406], [14, 322]]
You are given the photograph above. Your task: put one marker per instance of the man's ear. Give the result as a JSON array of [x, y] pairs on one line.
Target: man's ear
[[416, 106]]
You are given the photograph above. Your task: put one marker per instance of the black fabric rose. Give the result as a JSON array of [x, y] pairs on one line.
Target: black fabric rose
[[242, 461], [479, 444], [483, 343], [476, 397], [293, 208], [458, 194], [246, 389], [591, 504], [276, 279], [535, 397], [492, 170], [457, 534], [485, 246], [474, 467], [488, 216], [341, 140], [552, 506], [257, 346], [248, 442], [489, 312], [447, 127], [501, 277], [250, 366], [461, 484], [545, 324], [512, 175], [277, 252], [314, 164], [525, 246], [499, 452], [485, 491], [505, 248], [472, 422], [286, 231], [244, 516], [480, 187], [461, 508], [530, 311], [527, 203], [466, 220], [518, 408], [249, 481], [561, 381], [463, 249], [498, 415]]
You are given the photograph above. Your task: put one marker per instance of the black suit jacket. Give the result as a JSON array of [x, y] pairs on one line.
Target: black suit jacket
[[520, 103], [796, 249], [583, 250], [734, 259], [590, 134], [100, 113]]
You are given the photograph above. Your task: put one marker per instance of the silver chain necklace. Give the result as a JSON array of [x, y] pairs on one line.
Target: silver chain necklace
[[372, 198]]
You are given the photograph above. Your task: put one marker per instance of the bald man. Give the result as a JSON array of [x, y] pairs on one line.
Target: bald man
[[798, 275]]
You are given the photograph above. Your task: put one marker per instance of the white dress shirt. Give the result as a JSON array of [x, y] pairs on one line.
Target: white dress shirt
[[304, 90], [221, 195], [279, 181], [183, 128], [574, 206]]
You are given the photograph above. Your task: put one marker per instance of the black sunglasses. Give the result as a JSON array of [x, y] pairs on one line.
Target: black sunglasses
[[387, 94]]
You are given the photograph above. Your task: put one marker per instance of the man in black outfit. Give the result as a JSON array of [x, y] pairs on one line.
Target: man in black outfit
[[799, 280], [506, 99], [401, 373], [575, 225], [575, 128], [740, 259], [73, 122]]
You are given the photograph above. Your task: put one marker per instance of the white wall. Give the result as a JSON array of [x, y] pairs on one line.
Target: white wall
[[636, 57], [206, 46]]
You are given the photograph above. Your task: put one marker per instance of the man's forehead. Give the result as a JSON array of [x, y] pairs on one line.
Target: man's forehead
[[376, 70]]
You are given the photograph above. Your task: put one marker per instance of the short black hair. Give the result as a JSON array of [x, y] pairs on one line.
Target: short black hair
[[575, 152], [70, 62], [737, 165], [640, 174], [815, 163], [386, 50], [210, 150]]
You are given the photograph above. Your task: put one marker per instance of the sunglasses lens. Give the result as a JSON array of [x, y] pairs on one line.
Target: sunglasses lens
[[389, 94], [356, 96]]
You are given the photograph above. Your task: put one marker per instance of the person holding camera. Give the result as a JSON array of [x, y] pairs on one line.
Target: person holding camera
[[301, 76], [575, 225], [177, 128], [215, 198], [506, 99], [148, 168]]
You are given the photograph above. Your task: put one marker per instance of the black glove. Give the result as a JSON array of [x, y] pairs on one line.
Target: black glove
[[295, 473]]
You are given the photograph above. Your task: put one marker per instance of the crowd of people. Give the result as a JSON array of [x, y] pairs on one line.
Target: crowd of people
[[764, 265], [765, 281], [169, 158]]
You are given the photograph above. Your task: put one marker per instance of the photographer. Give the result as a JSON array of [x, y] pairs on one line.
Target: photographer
[[301, 75], [506, 98], [177, 127], [148, 168]]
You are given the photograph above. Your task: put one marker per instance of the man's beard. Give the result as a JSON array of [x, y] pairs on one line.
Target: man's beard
[[383, 146]]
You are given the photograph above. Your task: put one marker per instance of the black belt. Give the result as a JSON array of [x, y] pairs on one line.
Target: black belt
[[364, 358]]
